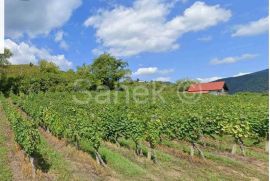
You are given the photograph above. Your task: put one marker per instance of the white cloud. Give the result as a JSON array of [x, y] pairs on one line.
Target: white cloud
[[152, 71], [205, 38], [146, 71], [24, 53], [166, 71], [59, 38], [241, 74], [127, 31], [209, 79], [37, 17], [163, 79], [252, 28], [63, 44], [230, 60]]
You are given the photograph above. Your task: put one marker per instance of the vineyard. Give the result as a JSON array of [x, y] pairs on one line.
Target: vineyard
[[132, 137]]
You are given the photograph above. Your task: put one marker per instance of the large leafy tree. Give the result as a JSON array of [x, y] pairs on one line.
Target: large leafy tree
[[4, 57], [109, 70]]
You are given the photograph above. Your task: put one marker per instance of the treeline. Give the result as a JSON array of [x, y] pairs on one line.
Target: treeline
[[105, 73]]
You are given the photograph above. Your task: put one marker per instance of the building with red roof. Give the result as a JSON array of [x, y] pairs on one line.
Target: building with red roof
[[216, 88]]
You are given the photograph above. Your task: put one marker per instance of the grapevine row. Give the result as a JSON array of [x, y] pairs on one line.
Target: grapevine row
[[239, 116]]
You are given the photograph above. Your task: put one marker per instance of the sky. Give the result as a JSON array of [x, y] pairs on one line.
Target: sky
[[163, 40]]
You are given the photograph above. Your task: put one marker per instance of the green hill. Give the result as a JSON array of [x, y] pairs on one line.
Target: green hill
[[254, 82], [20, 70]]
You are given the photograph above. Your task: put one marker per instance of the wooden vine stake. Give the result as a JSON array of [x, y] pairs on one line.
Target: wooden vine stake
[[32, 161]]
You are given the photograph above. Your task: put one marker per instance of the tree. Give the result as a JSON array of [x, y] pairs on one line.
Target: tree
[[109, 70], [83, 71], [184, 84], [48, 67], [4, 57]]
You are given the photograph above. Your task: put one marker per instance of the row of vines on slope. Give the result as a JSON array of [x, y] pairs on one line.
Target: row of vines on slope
[[240, 116], [25, 132]]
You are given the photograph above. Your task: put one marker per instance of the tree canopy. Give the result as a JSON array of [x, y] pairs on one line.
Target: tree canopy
[[109, 70], [48, 67], [4, 57]]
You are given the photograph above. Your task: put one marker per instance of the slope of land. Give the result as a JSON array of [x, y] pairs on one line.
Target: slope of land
[[254, 82]]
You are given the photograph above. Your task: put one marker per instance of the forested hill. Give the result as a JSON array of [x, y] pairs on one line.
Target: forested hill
[[254, 82]]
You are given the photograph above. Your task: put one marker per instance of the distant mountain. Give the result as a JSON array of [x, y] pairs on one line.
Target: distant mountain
[[254, 82]]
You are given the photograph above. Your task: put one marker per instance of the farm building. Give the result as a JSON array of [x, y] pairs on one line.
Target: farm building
[[216, 88]]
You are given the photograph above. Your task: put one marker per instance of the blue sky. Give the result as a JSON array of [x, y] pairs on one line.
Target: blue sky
[[160, 39]]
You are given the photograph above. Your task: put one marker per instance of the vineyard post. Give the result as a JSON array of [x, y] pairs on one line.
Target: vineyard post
[[242, 148], [200, 151], [149, 154], [99, 158], [32, 161], [234, 147], [191, 150], [138, 150], [154, 155], [116, 141], [267, 144]]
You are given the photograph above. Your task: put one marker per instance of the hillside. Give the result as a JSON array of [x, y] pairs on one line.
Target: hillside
[[254, 82], [20, 70]]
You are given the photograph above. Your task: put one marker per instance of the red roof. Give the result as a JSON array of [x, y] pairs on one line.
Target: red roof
[[203, 87]]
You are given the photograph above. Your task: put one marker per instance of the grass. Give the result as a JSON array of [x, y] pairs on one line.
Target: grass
[[54, 161], [116, 161], [241, 168], [129, 144], [185, 169], [5, 172], [121, 164]]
